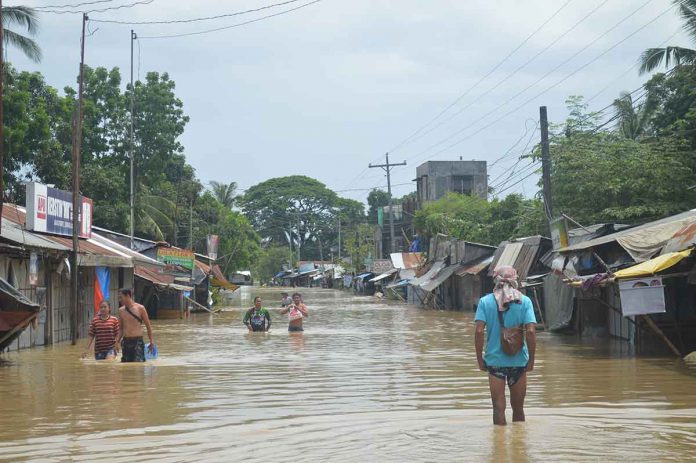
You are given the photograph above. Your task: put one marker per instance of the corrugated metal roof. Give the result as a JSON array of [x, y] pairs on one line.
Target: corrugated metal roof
[[475, 268], [614, 236], [11, 231], [522, 255], [407, 259], [440, 278], [429, 275], [90, 249], [385, 275]]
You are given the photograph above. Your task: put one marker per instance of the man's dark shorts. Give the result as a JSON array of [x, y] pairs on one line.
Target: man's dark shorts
[[132, 350], [510, 374], [104, 355], [295, 329]]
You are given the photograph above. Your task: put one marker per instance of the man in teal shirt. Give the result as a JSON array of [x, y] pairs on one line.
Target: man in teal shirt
[[517, 311], [257, 318]]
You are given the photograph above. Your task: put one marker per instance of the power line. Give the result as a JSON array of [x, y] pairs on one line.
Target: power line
[[203, 18], [517, 108], [231, 26], [518, 69], [102, 10], [545, 76], [73, 5], [495, 68]]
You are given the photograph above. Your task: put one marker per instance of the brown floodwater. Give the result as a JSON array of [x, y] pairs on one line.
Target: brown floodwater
[[366, 381]]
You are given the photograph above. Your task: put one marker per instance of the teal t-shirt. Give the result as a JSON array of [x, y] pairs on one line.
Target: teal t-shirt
[[517, 314]]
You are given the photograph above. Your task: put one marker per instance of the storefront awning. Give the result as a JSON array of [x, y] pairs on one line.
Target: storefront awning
[[653, 266], [224, 284], [384, 275]]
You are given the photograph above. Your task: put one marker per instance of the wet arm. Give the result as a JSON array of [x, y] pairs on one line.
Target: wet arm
[[478, 341], [146, 320], [119, 337], [303, 309], [531, 344]]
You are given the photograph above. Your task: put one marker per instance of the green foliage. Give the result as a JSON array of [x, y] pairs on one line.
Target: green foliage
[[26, 18], [271, 261], [604, 177], [474, 219], [375, 200], [674, 97], [359, 245], [225, 193], [299, 210], [652, 58], [168, 204]]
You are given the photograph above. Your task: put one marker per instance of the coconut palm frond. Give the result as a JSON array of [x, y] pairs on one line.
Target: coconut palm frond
[[21, 15], [652, 58], [28, 46], [687, 11], [225, 193]]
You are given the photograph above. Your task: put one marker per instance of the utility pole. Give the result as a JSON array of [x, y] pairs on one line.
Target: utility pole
[[76, 203], [2, 120], [132, 151], [387, 168], [299, 240], [546, 163], [339, 237], [191, 226]]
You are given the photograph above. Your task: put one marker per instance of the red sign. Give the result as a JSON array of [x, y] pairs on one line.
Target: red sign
[[41, 207]]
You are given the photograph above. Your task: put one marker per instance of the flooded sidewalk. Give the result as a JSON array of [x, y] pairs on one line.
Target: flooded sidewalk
[[366, 381]]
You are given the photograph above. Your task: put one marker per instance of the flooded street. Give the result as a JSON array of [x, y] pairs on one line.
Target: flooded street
[[367, 381]]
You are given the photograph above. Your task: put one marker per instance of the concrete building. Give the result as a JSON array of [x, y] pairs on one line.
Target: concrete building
[[437, 178]]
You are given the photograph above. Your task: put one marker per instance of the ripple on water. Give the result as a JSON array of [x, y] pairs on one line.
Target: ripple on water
[[367, 380]]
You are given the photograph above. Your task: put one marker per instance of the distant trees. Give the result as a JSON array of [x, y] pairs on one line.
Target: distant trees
[[299, 211], [170, 202]]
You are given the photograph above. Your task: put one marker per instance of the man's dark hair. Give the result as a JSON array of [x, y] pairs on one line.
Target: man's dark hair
[[297, 294], [126, 292], [256, 299]]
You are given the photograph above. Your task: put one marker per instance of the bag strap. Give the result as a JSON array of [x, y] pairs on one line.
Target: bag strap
[[500, 319], [132, 314]]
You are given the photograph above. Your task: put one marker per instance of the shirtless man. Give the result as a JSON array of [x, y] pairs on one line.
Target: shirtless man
[[131, 316], [296, 312]]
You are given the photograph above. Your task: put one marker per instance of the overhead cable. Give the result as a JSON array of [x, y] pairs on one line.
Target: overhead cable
[[192, 20], [495, 68], [207, 31]]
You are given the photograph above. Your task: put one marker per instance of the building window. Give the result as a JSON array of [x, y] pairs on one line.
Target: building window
[[461, 184]]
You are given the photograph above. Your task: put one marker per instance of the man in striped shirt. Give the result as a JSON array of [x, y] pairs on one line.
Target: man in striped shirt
[[103, 332]]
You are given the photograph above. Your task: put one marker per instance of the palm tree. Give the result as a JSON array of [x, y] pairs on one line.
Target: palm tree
[[632, 120], [154, 216], [652, 58], [226, 194], [26, 18]]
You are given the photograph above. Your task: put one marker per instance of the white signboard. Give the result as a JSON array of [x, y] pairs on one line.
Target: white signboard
[[642, 296]]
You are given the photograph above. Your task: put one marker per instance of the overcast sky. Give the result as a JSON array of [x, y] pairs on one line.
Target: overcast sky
[[327, 89]]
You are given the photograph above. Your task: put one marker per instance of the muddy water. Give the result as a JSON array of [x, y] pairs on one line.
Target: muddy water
[[367, 381]]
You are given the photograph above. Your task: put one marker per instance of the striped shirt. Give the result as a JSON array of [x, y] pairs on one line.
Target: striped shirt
[[105, 333]]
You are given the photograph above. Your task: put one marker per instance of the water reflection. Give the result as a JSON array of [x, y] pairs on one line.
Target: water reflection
[[366, 381]]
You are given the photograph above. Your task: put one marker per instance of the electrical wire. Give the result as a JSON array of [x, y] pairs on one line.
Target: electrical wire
[[73, 5], [192, 20], [510, 100], [217, 29], [556, 84], [489, 73], [102, 10], [518, 69]]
